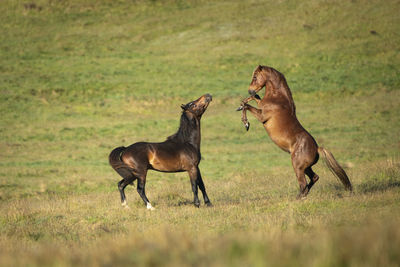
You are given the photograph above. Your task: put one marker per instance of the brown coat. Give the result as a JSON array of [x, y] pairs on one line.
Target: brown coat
[[277, 112]]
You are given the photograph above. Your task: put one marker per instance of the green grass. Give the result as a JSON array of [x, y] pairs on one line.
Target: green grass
[[78, 78]]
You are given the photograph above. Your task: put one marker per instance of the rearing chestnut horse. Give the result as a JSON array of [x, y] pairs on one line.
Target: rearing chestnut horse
[[277, 112], [180, 152]]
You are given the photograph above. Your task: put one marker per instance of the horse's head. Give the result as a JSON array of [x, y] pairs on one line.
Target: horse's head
[[263, 75], [197, 107], [274, 83], [259, 80]]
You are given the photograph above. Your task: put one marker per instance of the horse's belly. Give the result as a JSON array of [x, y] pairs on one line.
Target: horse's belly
[[278, 135], [165, 163]]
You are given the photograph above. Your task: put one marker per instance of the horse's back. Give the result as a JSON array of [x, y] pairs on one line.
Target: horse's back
[[135, 155], [170, 156], [167, 156]]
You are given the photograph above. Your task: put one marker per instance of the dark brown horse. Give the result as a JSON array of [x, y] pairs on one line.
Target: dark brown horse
[[179, 153], [277, 112]]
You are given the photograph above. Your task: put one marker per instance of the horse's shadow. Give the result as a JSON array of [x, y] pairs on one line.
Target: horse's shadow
[[176, 200], [185, 202], [382, 181], [367, 187], [374, 187], [385, 179]]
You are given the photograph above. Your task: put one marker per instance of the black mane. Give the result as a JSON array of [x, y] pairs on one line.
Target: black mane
[[187, 132]]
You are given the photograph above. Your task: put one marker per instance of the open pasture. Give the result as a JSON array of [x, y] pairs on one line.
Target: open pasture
[[79, 78]]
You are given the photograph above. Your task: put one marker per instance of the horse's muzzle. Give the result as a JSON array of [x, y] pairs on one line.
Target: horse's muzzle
[[208, 97], [252, 92]]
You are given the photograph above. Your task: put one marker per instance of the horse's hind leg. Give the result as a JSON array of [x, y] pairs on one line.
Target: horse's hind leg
[[299, 169], [302, 183], [141, 184], [313, 177], [121, 187], [128, 179]]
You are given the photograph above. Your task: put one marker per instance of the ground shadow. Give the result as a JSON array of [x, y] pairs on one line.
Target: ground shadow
[[176, 200], [376, 186]]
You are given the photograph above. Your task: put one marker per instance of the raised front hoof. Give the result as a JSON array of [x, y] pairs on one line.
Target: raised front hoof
[[239, 108], [247, 126], [257, 97], [209, 204]]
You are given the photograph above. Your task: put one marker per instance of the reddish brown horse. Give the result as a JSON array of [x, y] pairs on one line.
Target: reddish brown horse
[[180, 152], [277, 112]]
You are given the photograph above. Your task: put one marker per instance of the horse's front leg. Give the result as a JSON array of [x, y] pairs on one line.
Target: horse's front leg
[[244, 118], [203, 188], [255, 111], [243, 108], [254, 97], [193, 174]]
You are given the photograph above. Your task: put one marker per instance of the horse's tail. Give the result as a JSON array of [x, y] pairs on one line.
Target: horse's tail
[[335, 168], [118, 165], [115, 158]]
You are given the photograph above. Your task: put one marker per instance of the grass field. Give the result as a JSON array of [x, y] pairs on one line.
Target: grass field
[[78, 78]]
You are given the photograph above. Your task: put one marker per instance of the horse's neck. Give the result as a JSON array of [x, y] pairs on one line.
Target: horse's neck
[[196, 137], [270, 93], [278, 97], [190, 134]]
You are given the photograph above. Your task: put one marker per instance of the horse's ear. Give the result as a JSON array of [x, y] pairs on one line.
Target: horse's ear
[[259, 67], [183, 106]]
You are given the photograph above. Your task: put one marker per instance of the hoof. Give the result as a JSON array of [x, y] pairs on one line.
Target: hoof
[[257, 97], [149, 206], [239, 108], [247, 125], [209, 204], [125, 205], [197, 205], [302, 196]]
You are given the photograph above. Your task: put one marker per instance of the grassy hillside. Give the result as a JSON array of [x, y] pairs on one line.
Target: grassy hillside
[[78, 78]]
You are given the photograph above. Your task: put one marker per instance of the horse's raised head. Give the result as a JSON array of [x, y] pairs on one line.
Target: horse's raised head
[[274, 82], [258, 80], [197, 107]]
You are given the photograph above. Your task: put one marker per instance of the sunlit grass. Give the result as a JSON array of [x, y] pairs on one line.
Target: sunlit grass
[[78, 78]]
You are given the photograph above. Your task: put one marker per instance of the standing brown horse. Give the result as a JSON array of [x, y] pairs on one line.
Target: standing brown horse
[[277, 112], [180, 152]]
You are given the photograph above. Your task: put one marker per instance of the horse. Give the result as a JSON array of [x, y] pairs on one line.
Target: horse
[[277, 112], [178, 153]]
